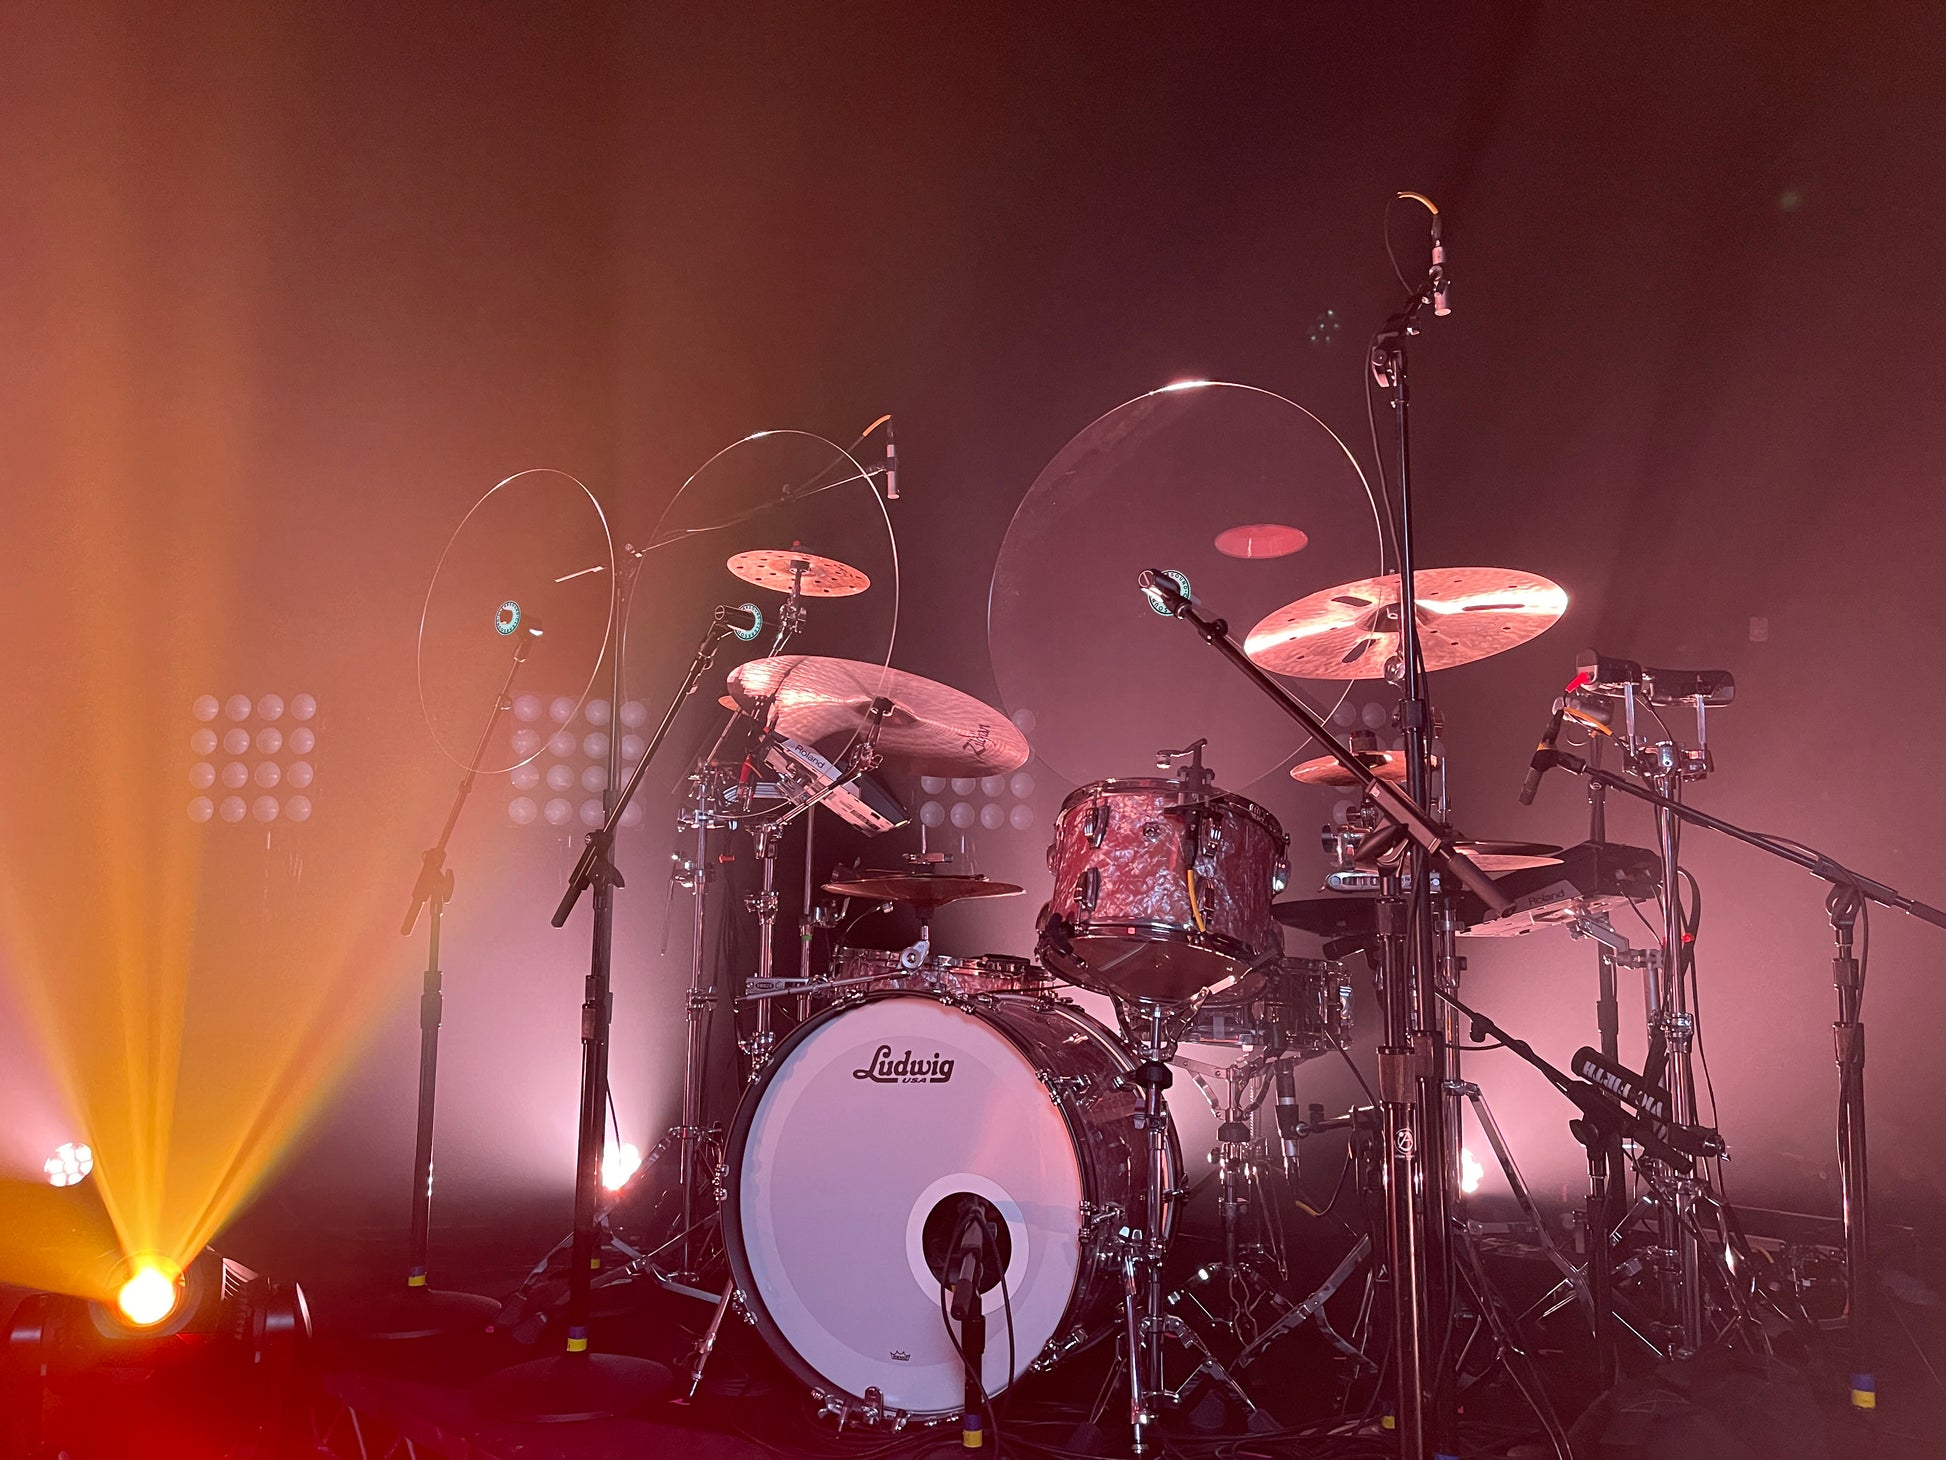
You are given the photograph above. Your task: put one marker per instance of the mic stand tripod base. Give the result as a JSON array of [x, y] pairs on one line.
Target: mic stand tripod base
[[569, 1387], [429, 1313]]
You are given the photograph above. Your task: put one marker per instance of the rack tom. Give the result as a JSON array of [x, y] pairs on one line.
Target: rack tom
[[1160, 901]]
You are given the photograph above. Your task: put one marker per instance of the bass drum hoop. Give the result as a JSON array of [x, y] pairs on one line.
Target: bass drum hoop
[[1088, 1272]]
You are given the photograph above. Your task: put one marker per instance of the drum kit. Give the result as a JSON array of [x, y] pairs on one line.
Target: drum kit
[[1001, 1123], [925, 1142]]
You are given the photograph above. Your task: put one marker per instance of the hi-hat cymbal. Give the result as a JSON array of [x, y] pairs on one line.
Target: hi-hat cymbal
[[918, 890], [933, 729], [1349, 632], [1387, 765], [1497, 857], [778, 568]]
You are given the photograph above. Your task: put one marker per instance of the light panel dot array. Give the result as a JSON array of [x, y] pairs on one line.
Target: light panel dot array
[[254, 760], [561, 781]]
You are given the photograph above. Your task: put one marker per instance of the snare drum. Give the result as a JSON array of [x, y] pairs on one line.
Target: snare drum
[[1159, 901], [1296, 1004], [871, 970], [857, 1148]]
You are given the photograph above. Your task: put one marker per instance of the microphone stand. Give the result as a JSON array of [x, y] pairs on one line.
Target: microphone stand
[[1849, 892], [421, 1312], [578, 1384], [1412, 1062]]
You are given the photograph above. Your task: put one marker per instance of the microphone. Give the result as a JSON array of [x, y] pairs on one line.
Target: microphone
[[1441, 300], [1543, 755], [745, 620], [891, 464], [1167, 589], [1288, 1119]]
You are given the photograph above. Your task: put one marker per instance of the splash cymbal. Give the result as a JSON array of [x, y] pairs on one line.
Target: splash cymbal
[[932, 729], [1349, 632], [778, 568]]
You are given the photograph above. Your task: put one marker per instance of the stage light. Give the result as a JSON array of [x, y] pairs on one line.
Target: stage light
[[1470, 1172], [69, 1165], [218, 1332], [150, 1296], [618, 1163]]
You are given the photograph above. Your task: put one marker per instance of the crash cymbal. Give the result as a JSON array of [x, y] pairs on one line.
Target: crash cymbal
[[777, 568], [932, 729], [1387, 765], [1349, 632], [918, 890]]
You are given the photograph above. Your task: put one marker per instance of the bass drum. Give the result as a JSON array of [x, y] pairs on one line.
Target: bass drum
[[856, 1151]]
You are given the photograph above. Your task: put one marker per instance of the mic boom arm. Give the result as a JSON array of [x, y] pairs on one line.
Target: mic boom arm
[[1165, 591]]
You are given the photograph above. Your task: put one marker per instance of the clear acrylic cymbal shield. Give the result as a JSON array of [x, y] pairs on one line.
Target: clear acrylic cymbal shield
[[529, 569], [1246, 493]]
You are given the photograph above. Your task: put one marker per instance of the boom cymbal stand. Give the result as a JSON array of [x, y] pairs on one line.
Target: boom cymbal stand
[[1412, 1064]]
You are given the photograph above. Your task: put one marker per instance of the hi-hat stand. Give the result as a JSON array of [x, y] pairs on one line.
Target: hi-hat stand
[[580, 1384], [422, 1311]]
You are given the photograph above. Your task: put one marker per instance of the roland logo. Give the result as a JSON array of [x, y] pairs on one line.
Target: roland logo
[[907, 1069]]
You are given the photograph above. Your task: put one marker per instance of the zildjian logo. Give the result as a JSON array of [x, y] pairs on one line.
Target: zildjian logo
[[907, 1069]]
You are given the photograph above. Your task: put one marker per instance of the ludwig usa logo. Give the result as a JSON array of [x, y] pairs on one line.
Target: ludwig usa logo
[[907, 1069]]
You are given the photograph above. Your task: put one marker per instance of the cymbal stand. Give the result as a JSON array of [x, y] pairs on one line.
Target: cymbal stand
[[1404, 1068], [422, 1310], [1665, 765]]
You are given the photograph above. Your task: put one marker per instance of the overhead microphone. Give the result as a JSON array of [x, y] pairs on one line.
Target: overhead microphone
[[891, 464], [1441, 299]]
